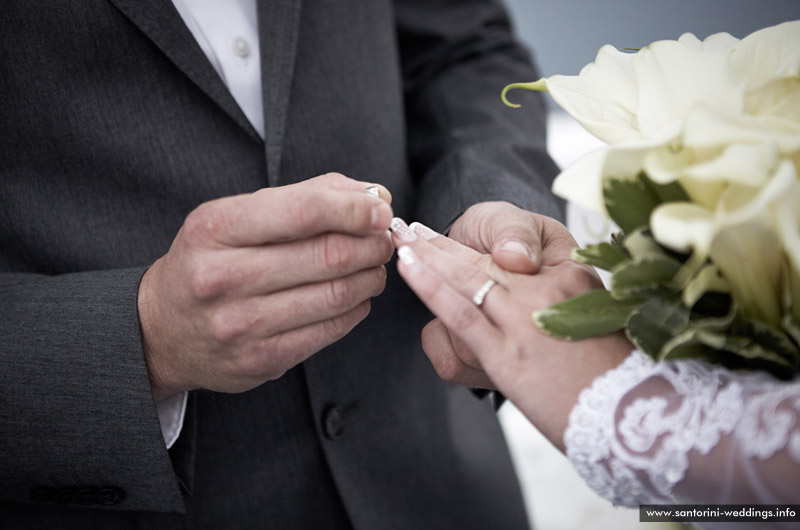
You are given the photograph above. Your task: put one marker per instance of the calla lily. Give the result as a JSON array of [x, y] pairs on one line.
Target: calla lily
[[742, 238], [719, 120]]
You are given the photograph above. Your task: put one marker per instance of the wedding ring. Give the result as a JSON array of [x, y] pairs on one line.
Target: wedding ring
[[482, 292]]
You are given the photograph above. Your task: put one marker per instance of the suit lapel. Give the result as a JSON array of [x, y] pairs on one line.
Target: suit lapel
[[278, 22], [162, 24]]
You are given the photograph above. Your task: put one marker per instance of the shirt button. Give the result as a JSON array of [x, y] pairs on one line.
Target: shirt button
[[240, 47], [332, 423]]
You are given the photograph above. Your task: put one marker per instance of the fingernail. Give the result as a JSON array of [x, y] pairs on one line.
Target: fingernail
[[406, 255], [379, 214], [423, 231], [375, 191], [402, 230], [512, 245]]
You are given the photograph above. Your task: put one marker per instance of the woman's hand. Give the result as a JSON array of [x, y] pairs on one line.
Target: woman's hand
[[497, 344]]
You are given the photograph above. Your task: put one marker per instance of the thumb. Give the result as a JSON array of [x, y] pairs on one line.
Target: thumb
[[511, 235], [518, 248]]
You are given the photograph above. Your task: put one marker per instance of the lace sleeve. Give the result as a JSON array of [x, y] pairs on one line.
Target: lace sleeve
[[687, 432]]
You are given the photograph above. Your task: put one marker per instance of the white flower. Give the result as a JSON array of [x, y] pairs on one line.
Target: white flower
[[721, 117]]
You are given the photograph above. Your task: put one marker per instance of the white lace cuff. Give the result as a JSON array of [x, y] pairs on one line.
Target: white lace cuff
[[633, 431]]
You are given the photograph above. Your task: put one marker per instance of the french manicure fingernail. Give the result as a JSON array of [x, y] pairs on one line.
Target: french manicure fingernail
[[402, 230], [423, 231], [512, 245], [406, 255]]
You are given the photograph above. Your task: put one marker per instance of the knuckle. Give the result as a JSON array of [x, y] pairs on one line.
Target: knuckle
[[205, 223], [207, 282], [449, 368], [342, 325], [336, 254], [339, 293], [334, 178], [302, 206], [463, 317], [306, 217], [226, 327], [267, 358]]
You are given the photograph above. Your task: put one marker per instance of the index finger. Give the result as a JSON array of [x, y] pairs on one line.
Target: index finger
[[292, 212], [337, 181]]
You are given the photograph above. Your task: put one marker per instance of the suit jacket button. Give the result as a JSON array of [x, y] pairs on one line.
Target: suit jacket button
[[84, 496], [109, 496], [332, 423]]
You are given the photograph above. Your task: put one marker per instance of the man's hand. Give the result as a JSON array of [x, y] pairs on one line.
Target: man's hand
[[518, 240], [255, 284]]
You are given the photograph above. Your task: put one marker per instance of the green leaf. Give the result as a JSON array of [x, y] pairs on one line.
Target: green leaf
[[792, 328], [741, 344], [630, 202], [602, 255], [692, 343], [671, 192], [642, 278], [754, 339], [591, 314], [715, 319], [655, 322]]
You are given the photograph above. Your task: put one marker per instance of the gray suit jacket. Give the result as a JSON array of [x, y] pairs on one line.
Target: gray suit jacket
[[114, 127]]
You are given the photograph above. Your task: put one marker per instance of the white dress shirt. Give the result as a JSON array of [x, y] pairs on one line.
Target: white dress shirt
[[227, 32]]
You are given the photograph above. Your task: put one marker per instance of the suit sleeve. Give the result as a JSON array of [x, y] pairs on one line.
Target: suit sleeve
[[77, 417], [466, 146]]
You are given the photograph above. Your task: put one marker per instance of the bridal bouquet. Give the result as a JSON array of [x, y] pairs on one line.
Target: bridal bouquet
[[701, 175]]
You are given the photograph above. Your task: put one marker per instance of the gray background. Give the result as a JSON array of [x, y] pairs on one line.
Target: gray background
[[565, 35]]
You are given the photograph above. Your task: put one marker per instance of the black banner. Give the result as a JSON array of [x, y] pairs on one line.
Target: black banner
[[719, 513]]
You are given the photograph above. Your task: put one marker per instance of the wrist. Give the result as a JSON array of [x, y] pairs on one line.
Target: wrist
[[160, 383], [564, 370]]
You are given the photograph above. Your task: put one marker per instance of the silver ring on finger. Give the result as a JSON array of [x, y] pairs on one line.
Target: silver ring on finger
[[481, 293]]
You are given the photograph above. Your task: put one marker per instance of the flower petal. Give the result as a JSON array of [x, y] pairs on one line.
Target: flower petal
[[739, 205], [788, 222], [672, 78], [582, 182], [768, 54], [602, 97], [706, 128], [683, 226], [719, 42], [750, 258], [744, 164]]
